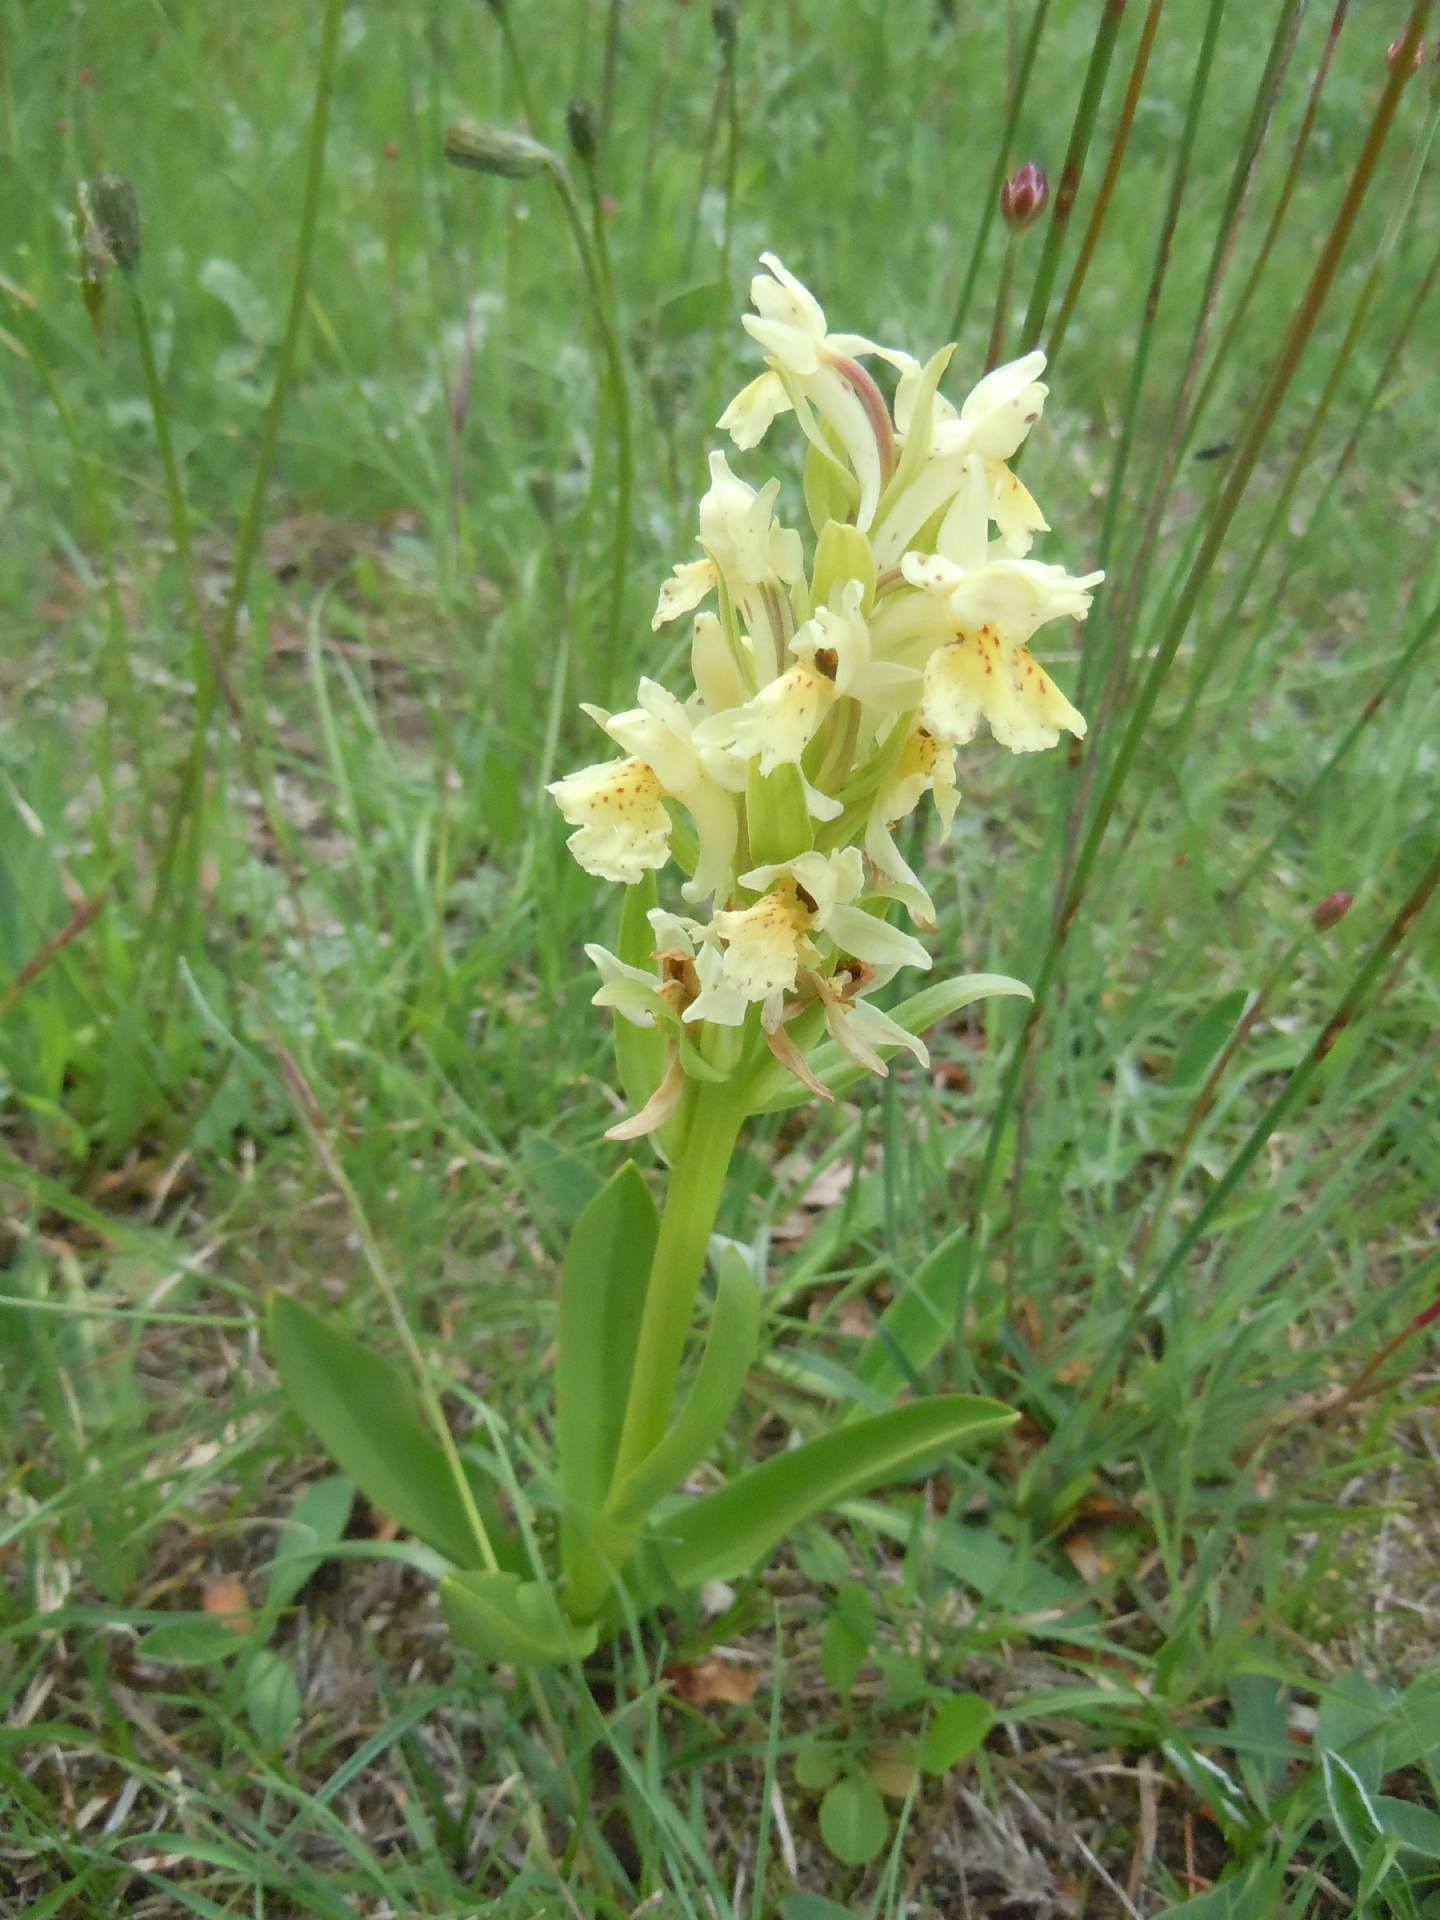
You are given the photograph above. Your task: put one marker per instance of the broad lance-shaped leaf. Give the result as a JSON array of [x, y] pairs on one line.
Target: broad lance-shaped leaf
[[777, 1090], [729, 1352], [364, 1413], [502, 1617], [602, 1298], [728, 1532]]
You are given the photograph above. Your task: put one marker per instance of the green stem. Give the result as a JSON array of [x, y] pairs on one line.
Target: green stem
[[618, 397], [290, 339], [990, 205], [1120, 140], [1070, 172], [1002, 305], [691, 1205], [1247, 454]]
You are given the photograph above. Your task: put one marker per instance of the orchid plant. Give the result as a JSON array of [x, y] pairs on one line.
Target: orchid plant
[[831, 691]]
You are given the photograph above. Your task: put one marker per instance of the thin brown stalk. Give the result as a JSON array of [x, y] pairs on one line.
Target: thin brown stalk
[[1081, 131], [1119, 142], [1157, 489], [1277, 218], [1297, 338], [40, 961]]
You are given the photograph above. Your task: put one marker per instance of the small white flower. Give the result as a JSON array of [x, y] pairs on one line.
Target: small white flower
[[829, 883], [755, 954], [999, 412], [982, 665], [776, 726], [749, 416], [724, 673]]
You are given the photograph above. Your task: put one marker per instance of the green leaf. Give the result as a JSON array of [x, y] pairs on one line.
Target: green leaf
[[504, 1618], [842, 554], [1352, 1812], [728, 1356], [316, 1521], [848, 1633], [812, 1906], [602, 1297], [915, 1325], [272, 1698], [779, 1090], [956, 1729], [1356, 1817], [817, 1765], [853, 1822], [196, 1641], [777, 814], [1206, 1036], [728, 1532], [1412, 1827], [831, 492], [565, 1180], [1356, 1714], [1213, 1787], [364, 1413]]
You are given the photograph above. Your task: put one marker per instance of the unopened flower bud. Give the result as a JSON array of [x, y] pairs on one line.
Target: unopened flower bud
[[1024, 197], [1331, 911], [582, 123], [487, 149], [112, 230], [724, 20]]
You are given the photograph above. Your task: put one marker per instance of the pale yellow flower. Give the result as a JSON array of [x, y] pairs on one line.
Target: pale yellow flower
[[981, 675], [926, 764], [744, 546], [659, 732], [762, 948], [990, 425], [723, 671], [623, 828], [984, 612], [776, 726], [816, 372], [835, 644]]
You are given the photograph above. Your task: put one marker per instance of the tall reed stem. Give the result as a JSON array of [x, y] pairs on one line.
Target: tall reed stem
[[1074, 165], [991, 202], [1247, 454]]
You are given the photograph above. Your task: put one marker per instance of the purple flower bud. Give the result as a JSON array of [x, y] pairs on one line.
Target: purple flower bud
[[1331, 910], [1024, 197]]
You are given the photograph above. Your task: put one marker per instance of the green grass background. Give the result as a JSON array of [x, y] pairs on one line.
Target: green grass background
[[428, 611]]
